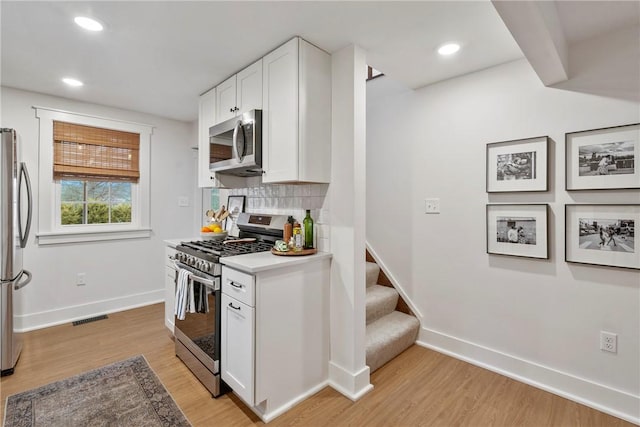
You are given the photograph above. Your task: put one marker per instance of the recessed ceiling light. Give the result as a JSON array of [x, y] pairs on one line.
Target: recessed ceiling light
[[72, 82], [88, 23], [448, 49]]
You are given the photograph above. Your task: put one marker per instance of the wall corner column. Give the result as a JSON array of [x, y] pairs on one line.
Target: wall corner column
[[348, 372]]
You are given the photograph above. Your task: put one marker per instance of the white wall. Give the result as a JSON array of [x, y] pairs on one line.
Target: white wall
[[119, 274], [536, 320]]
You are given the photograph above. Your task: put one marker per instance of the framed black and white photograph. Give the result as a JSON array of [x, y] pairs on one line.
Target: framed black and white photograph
[[519, 165], [602, 235], [518, 230], [603, 159], [235, 205]]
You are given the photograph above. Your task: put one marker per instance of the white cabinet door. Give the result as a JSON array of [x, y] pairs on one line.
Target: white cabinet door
[[226, 99], [280, 114], [169, 289], [237, 344], [249, 88], [206, 119]]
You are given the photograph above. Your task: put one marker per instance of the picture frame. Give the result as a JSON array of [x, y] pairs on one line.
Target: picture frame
[[518, 165], [518, 230], [235, 205], [603, 159], [614, 246]]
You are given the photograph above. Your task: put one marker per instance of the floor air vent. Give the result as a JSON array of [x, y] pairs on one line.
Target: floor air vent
[[89, 319]]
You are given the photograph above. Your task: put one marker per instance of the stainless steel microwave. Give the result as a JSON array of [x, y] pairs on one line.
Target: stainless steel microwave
[[235, 145]]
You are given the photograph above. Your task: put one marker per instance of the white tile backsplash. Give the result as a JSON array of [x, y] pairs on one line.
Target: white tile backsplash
[[287, 199]]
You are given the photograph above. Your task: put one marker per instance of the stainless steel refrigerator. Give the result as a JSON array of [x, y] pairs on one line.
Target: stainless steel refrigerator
[[15, 222]]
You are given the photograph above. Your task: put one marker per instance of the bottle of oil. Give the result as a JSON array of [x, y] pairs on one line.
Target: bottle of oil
[[308, 230], [297, 237]]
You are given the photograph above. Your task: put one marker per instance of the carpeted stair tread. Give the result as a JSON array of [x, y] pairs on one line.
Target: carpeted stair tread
[[381, 300], [389, 336], [372, 273]]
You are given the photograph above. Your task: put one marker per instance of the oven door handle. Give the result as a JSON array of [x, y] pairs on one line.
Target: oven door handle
[[202, 280], [207, 282]]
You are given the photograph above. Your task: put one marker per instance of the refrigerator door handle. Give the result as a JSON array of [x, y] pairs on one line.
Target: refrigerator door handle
[[24, 173], [21, 284]]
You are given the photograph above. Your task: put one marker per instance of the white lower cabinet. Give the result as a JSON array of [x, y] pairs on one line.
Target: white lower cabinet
[[238, 347], [169, 289], [275, 333]]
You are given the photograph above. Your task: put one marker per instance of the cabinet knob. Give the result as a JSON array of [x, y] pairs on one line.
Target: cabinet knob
[[231, 110]]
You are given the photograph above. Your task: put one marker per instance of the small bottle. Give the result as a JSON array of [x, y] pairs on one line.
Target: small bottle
[[287, 231], [297, 237], [308, 230]]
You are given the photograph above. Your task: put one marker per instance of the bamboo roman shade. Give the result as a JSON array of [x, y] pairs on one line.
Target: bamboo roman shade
[[86, 152]]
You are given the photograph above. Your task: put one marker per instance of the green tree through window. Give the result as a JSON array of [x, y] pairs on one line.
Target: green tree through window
[[95, 202]]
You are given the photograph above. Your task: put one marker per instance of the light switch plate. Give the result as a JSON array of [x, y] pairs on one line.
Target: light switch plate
[[432, 206]]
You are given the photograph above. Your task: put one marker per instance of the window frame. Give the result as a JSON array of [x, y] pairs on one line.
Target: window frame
[[50, 229]]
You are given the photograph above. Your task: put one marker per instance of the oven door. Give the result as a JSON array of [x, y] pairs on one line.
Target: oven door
[[199, 332]]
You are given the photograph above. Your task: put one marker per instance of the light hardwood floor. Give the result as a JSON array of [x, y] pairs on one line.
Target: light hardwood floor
[[418, 388]]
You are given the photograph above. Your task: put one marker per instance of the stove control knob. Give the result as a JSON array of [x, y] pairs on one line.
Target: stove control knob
[[199, 265], [191, 261], [206, 266]]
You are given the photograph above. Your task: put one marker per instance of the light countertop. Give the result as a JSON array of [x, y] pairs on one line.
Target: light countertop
[[262, 261]]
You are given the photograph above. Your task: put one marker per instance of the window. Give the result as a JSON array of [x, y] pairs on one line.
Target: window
[[94, 202], [94, 178]]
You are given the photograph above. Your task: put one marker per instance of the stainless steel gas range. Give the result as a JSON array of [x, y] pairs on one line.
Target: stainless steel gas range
[[198, 271]]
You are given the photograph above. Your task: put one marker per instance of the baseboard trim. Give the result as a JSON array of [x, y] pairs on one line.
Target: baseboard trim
[[351, 385], [270, 415], [395, 282], [614, 402], [45, 319]]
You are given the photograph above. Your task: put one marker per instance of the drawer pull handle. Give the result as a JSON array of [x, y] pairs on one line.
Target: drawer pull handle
[[235, 308], [235, 285]]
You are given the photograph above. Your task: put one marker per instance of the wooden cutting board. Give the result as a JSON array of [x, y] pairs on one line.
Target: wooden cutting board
[[293, 253]]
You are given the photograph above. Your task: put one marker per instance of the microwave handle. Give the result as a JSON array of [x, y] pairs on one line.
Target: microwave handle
[[238, 138]]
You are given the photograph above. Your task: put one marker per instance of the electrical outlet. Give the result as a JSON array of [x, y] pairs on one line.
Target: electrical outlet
[[81, 279], [608, 341], [432, 206], [183, 201]]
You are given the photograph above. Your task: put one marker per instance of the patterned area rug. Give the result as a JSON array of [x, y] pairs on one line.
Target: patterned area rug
[[126, 393]]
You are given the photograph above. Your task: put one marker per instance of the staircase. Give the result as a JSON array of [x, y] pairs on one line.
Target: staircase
[[389, 332]]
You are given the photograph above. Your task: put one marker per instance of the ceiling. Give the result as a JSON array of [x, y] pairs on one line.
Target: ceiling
[[158, 57]]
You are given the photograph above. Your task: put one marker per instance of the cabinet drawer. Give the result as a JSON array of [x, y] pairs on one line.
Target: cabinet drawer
[[239, 285]]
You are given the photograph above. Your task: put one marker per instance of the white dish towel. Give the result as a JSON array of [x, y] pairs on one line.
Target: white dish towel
[[185, 299]]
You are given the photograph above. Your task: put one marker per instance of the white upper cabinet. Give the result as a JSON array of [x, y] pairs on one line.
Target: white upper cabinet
[[206, 119], [226, 99], [240, 93], [296, 116], [249, 88]]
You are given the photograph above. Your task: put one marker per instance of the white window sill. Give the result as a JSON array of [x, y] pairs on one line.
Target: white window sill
[[57, 238]]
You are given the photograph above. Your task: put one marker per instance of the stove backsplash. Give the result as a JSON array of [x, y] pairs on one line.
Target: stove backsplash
[[288, 199]]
